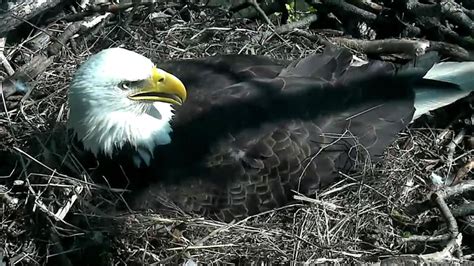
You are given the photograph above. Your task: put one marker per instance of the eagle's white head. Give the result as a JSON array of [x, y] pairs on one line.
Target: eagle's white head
[[117, 97]]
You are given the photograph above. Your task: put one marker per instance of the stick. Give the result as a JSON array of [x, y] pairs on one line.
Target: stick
[[385, 46], [463, 171], [410, 47], [464, 210], [3, 59], [447, 193], [439, 238], [446, 253], [103, 9], [26, 10], [297, 24], [40, 62], [260, 10], [448, 216], [341, 5]]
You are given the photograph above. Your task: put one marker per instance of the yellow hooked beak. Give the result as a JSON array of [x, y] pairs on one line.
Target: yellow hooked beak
[[161, 87]]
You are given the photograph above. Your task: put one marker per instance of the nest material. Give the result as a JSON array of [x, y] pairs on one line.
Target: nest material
[[49, 216]]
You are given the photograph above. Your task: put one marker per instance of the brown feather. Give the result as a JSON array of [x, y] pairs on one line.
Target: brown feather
[[254, 129]]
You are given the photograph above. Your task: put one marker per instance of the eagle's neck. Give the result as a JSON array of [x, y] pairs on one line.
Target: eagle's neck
[[107, 132]]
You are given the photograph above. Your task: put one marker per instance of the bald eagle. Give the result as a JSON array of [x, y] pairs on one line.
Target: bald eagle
[[234, 135]]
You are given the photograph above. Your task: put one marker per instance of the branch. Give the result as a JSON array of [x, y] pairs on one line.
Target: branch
[[424, 239], [447, 253], [453, 11], [463, 171], [447, 193], [450, 9], [464, 210], [3, 59], [447, 215], [297, 24], [385, 46], [41, 61], [443, 256], [367, 4], [433, 24], [22, 12], [454, 246], [102, 9], [341, 5], [409, 47], [260, 10]]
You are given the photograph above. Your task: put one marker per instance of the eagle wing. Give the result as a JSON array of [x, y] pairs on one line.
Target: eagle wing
[[254, 130]]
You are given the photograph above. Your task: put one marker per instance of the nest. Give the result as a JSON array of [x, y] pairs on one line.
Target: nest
[[49, 216]]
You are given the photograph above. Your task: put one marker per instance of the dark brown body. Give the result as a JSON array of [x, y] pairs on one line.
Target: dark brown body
[[254, 130]]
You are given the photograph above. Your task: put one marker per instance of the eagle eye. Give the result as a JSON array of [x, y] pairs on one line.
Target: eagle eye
[[125, 85]]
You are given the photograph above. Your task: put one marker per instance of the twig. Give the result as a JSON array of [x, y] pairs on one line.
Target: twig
[[260, 10], [64, 210], [328, 205], [453, 144], [202, 247], [451, 149], [3, 59], [442, 136]]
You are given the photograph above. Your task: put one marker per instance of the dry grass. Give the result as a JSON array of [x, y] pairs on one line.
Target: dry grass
[[357, 219]]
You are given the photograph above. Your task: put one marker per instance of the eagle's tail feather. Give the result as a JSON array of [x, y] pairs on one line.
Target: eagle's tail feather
[[455, 80]]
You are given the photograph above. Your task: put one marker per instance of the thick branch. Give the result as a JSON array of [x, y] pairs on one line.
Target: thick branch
[[408, 47], [447, 215], [23, 11], [429, 10], [433, 24], [367, 5], [446, 193], [464, 210], [102, 9], [344, 7], [450, 9], [453, 11], [41, 61], [463, 171], [297, 24], [386, 46]]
